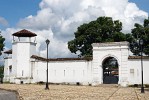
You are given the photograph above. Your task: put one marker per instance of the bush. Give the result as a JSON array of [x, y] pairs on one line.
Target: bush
[[40, 82]]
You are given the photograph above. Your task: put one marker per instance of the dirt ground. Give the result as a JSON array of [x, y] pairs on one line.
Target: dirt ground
[[68, 92]]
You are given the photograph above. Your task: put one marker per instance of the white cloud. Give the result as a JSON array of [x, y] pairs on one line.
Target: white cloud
[[57, 48], [59, 19], [7, 34], [3, 21], [43, 20]]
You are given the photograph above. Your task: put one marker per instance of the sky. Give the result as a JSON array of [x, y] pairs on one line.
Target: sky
[[142, 4], [57, 20]]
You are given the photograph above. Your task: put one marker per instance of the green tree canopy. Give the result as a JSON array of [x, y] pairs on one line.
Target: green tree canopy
[[104, 29], [2, 39], [140, 32], [1, 71]]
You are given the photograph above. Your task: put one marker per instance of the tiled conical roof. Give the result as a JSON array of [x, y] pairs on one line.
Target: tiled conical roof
[[24, 33]]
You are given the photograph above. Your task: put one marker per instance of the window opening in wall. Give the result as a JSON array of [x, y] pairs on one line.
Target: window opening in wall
[[137, 72], [10, 68], [83, 72], [32, 69], [22, 72], [73, 72], [132, 71], [64, 72]]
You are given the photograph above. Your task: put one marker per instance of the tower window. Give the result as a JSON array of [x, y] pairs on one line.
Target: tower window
[[10, 68]]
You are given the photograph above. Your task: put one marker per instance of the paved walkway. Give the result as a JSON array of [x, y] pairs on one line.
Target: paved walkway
[[67, 92], [6, 95]]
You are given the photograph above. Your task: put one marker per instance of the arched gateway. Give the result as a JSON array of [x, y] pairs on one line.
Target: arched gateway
[[116, 72], [110, 71]]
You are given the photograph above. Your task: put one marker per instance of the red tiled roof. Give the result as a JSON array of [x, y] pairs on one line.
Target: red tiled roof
[[59, 59], [138, 57], [8, 52], [24, 33]]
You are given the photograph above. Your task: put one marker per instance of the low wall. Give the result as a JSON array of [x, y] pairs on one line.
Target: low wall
[[134, 68], [63, 72]]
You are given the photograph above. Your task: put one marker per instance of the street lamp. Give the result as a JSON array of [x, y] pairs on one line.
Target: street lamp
[[141, 44], [47, 86]]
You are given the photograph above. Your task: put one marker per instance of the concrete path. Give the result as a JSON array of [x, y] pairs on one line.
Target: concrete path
[[6, 95]]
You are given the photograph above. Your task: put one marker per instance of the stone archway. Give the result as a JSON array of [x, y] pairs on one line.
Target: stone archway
[[101, 52], [110, 70]]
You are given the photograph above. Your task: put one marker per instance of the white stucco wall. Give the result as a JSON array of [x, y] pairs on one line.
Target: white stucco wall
[[63, 71], [134, 67], [7, 72], [14, 62]]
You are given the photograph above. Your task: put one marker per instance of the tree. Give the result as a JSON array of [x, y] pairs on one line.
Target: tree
[[1, 43], [1, 71], [140, 32], [104, 29]]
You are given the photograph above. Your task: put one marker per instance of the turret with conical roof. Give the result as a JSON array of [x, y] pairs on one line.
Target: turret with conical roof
[[23, 48], [23, 35]]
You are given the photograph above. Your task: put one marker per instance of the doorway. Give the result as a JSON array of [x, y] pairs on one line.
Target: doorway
[[110, 71]]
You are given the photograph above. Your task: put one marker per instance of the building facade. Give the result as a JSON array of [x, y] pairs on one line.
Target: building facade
[[22, 65]]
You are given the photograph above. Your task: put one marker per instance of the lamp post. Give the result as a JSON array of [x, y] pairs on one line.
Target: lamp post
[[47, 86], [141, 44]]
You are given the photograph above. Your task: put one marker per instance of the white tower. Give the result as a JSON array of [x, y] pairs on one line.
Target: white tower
[[23, 48]]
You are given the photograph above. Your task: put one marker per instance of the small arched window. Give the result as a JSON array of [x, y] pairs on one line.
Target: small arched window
[[10, 68]]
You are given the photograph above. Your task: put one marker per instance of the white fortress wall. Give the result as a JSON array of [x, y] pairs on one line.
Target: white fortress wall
[[63, 71], [29, 68], [135, 76]]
